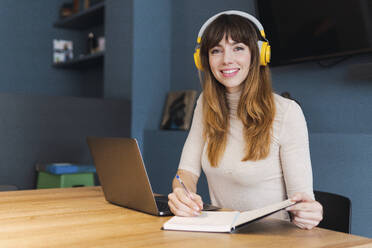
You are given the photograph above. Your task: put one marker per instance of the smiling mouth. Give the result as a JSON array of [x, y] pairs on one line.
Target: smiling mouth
[[230, 72]]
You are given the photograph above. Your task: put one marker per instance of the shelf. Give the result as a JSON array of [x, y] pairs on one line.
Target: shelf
[[86, 61], [92, 16]]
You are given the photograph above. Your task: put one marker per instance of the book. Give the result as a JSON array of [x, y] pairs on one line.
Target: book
[[65, 168], [223, 221]]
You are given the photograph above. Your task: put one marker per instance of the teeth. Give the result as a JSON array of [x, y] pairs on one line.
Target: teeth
[[229, 71]]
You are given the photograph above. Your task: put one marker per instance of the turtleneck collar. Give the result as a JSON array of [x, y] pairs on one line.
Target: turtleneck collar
[[233, 101]]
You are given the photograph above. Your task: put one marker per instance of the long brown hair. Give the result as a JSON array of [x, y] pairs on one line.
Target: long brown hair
[[256, 107]]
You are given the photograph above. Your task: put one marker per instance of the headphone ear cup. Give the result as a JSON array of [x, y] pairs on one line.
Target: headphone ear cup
[[265, 52], [197, 59]]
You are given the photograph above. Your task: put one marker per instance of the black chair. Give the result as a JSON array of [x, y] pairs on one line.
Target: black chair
[[336, 211]]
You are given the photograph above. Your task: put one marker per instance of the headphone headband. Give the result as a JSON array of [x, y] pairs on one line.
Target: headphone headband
[[232, 12]]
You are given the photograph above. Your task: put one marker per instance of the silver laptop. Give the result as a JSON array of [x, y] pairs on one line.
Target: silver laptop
[[123, 176]]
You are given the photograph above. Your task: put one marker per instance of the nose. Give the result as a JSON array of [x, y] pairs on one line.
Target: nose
[[227, 57]]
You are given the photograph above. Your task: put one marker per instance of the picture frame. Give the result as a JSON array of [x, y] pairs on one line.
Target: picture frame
[[178, 110], [62, 51]]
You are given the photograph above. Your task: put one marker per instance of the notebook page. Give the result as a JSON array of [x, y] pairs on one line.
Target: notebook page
[[207, 222]]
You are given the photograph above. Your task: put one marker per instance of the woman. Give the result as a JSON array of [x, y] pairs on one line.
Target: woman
[[251, 143]]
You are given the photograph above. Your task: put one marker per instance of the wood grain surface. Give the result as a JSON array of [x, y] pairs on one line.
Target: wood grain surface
[[80, 217]]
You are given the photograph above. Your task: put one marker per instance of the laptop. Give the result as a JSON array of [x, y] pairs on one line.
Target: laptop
[[123, 176]]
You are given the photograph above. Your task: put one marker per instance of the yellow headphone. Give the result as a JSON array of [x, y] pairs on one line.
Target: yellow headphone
[[263, 46]]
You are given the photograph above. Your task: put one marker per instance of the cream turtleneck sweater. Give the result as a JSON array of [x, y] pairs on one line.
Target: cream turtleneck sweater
[[253, 184]]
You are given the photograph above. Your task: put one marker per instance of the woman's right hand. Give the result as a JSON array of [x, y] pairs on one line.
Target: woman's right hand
[[183, 204]]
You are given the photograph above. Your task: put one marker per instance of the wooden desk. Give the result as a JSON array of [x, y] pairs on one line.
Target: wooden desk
[[80, 217]]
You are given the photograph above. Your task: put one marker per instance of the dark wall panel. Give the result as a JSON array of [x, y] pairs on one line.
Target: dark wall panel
[[53, 129]]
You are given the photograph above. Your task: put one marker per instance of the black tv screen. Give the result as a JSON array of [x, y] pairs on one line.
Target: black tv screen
[[316, 29]]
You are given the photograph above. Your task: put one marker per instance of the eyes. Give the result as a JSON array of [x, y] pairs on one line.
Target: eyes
[[219, 49]]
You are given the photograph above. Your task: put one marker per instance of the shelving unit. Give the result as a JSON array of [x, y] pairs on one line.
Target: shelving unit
[[87, 67], [84, 62], [84, 19]]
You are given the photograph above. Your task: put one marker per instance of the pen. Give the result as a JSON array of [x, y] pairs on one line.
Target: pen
[[188, 193], [183, 185]]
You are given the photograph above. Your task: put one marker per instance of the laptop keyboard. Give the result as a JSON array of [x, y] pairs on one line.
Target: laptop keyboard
[[162, 203], [162, 206]]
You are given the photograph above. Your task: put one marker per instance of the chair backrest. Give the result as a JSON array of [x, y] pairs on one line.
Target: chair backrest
[[336, 211]]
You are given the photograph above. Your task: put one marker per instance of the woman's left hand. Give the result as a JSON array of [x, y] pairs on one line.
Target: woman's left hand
[[307, 213]]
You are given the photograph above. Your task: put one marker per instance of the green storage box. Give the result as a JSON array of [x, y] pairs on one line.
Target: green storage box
[[47, 180]]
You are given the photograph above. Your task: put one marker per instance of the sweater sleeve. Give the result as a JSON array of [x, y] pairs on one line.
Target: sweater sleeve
[[295, 153], [193, 147]]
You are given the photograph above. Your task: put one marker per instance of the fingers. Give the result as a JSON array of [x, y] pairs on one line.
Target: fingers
[[177, 211], [307, 213], [179, 208], [316, 216], [188, 200], [182, 204], [312, 206], [300, 225], [198, 200], [304, 223]]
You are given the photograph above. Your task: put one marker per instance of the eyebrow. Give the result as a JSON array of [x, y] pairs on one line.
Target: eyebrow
[[231, 43]]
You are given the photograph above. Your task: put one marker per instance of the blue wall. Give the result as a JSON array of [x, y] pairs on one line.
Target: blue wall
[[334, 100], [119, 49], [26, 52], [151, 63], [138, 55]]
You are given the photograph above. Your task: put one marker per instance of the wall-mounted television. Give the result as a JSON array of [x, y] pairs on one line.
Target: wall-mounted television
[[303, 30]]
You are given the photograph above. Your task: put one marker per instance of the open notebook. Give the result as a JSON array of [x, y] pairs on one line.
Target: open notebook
[[222, 221]]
